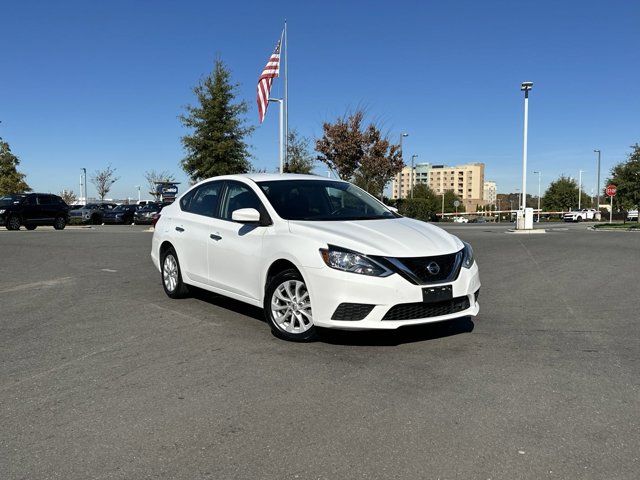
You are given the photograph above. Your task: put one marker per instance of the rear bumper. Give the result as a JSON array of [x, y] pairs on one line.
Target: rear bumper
[[329, 288]]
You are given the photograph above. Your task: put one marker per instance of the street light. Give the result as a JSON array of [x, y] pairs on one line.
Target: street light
[[539, 178], [402, 136], [138, 187], [525, 87], [598, 181], [413, 157], [84, 173], [579, 188]]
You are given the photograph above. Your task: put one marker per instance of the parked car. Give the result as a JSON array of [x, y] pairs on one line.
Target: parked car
[[460, 220], [91, 213], [32, 210], [580, 215], [478, 220], [144, 215], [313, 252], [632, 215], [122, 214]]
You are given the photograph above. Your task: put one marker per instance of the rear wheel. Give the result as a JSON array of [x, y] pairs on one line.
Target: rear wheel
[[287, 306], [13, 223], [172, 282], [30, 227], [59, 223], [579, 219]]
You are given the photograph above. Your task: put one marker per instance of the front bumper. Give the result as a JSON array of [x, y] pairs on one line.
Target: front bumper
[[329, 288]]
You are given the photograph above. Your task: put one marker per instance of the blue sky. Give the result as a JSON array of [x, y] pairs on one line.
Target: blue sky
[[85, 84]]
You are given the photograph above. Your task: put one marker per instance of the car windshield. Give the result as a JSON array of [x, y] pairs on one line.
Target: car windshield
[[122, 208], [149, 208], [322, 200], [11, 200]]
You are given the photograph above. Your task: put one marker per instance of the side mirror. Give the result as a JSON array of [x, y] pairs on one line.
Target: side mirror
[[246, 215]]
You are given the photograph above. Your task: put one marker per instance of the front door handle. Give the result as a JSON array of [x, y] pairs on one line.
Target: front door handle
[[215, 237], [179, 229]]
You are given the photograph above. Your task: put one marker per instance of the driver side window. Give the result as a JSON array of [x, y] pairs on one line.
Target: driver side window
[[238, 196]]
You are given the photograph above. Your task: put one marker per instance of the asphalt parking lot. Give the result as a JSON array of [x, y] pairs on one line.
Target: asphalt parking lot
[[103, 376]]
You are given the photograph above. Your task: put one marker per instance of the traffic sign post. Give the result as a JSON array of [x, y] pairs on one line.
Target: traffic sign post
[[611, 191], [456, 204]]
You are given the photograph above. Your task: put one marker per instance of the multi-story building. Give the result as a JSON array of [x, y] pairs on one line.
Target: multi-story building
[[401, 185], [490, 192], [466, 181]]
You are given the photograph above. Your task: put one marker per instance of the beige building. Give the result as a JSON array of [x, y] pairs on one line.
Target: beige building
[[490, 192], [401, 185], [466, 181]]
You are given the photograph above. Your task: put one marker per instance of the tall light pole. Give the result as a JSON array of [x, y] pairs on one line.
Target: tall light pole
[[138, 187], [519, 197], [598, 181], [539, 179], [402, 136], [525, 87], [413, 157], [580, 188], [84, 173]]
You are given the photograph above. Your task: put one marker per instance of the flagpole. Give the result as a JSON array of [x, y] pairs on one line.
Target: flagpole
[[286, 98]]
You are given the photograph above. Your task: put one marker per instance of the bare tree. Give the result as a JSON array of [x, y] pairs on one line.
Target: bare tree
[[152, 177], [68, 196], [103, 180]]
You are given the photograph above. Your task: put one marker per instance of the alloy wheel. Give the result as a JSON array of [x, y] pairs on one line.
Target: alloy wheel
[[291, 307], [14, 223], [170, 272]]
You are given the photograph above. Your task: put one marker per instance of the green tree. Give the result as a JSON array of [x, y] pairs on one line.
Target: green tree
[[11, 180], [626, 177], [449, 198], [362, 155], [217, 144], [299, 157], [562, 195], [423, 206]]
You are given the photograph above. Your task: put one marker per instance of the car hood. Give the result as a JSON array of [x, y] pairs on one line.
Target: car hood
[[397, 237]]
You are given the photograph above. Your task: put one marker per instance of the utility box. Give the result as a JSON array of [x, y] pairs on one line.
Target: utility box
[[524, 220], [528, 218]]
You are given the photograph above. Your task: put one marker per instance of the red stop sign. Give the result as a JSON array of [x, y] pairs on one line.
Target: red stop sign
[[611, 190]]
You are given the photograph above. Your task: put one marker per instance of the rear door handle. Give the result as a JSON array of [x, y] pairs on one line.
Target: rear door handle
[[179, 229], [215, 237]]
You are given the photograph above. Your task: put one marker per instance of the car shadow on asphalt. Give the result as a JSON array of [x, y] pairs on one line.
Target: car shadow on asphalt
[[410, 334]]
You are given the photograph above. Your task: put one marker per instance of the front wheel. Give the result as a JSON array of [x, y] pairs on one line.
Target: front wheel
[[287, 307], [59, 223], [172, 282], [13, 223]]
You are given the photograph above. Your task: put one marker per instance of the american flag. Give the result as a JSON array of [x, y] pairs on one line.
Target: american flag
[[271, 71]]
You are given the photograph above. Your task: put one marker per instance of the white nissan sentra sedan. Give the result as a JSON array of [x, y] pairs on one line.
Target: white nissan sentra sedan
[[313, 252]]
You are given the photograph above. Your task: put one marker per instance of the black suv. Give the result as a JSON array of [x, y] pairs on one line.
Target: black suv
[[33, 209]]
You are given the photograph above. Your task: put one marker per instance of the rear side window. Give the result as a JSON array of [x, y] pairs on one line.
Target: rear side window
[[203, 200], [45, 199]]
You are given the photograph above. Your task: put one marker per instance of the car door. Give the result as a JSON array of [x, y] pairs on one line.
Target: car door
[[191, 229], [46, 209], [235, 249], [30, 209]]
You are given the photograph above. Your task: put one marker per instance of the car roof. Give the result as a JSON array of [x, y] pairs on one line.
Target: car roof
[[264, 177]]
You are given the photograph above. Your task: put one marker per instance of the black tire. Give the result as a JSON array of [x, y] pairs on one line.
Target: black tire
[[30, 227], [13, 223], [59, 223], [579, 219], [177, 289], [290, 275]]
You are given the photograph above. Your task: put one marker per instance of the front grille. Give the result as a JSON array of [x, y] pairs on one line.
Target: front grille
[[352, 311], [416, 269], [411, 311]]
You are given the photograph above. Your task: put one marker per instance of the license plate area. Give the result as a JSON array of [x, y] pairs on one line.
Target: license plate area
[[437, 294]]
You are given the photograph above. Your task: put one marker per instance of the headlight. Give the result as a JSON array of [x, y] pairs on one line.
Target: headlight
[[354, 262], [2, 210], [467, 256]]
